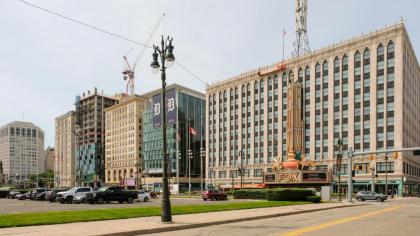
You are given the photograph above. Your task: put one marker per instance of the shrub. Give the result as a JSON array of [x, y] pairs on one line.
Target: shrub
[[288, 194], [314, 199], [250, 194]]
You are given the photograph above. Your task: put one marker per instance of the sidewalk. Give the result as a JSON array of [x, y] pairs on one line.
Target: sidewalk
[[143, 225]]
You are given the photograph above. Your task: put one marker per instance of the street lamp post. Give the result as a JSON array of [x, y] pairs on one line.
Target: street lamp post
[[166, 56], [242, 167], [386, 174], [339, 158]]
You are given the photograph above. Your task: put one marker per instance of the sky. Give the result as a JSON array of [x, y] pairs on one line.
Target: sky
[[45, 61]]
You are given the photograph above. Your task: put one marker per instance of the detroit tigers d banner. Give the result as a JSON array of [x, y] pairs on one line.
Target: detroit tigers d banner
[[170, 108]]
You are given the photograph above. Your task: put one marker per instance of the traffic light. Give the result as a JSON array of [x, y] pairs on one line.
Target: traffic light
[[395, 155], [372, 157], [353, 173]]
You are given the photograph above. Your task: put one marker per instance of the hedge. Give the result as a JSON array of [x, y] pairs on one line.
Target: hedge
[[250, 194], [276, 194], [314, 199], [289, 194]]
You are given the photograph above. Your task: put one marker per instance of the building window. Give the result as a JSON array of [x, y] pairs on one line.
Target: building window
[[380, 167]]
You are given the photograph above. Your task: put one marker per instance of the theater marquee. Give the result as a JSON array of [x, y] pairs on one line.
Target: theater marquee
[[297, 177]]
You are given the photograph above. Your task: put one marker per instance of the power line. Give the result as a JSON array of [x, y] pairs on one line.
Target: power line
[[83, 23], [105, 32]]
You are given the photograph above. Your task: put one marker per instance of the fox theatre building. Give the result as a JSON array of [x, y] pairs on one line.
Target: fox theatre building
[[297, 178]]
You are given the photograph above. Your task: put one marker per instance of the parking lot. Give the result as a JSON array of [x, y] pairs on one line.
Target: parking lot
[[9, 206]]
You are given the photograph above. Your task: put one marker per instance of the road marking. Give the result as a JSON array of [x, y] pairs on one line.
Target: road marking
[[336, 222]]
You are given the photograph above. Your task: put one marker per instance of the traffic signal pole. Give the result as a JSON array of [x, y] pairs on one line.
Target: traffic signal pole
[[350, 178], [416, 151]]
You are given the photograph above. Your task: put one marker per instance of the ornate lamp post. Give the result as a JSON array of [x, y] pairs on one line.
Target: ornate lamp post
[[166, 56], [339, 158], [242, 167]]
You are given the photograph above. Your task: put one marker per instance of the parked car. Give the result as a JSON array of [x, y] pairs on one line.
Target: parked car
[[21, 196], [143, 196], [72, 194], [12, 194], [214, 195], [109, 194], [52, 194], [4, 192], [152, 194], [41, 196], [35, 192], [369, 195]]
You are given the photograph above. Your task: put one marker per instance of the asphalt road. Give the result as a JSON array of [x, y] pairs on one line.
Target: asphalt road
[[9, 206], [395, 217]]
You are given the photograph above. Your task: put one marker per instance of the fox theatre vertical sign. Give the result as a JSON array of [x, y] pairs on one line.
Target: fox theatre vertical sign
[[170, 109]]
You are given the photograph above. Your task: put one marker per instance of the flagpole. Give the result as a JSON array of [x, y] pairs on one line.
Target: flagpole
[[189, 158], [283, 42]]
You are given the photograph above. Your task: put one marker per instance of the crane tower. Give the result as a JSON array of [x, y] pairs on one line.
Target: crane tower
[[301, 44]]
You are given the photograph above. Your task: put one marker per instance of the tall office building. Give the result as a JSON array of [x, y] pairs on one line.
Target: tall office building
[[123, 142], [364, 90], [65, 150], [185, 109], [90, 140], [49, 159], [21, 150]]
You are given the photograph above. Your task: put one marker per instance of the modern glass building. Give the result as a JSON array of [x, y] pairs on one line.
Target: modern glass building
[[190, 108]]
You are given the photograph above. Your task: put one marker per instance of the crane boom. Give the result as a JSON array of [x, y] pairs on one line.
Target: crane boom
[[156, 26], [129, 72]]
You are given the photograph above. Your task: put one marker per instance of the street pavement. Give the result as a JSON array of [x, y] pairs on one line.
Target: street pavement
[[10, 206], [144, 225], [393, 217]]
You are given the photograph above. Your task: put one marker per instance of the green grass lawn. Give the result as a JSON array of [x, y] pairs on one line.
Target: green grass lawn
[[58, 217]]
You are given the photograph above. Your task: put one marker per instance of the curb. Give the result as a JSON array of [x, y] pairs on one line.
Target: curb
[[199, 225]]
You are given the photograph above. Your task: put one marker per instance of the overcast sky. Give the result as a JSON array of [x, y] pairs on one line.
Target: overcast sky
[[45, 61]]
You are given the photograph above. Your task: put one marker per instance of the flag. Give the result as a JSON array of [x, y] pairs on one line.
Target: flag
[[193, 131]]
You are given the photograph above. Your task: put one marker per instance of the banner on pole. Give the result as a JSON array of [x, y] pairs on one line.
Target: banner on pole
[[170, 108]]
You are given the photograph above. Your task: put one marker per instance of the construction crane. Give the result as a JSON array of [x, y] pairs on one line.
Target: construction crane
[[128, 73]]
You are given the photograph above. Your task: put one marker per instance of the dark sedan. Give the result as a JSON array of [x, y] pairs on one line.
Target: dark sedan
[[52, 194]]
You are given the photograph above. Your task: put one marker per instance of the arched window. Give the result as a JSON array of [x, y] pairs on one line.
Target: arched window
[[300, 75], [317, 70], [336, 63], [366, 54], [380, 52], [357, 58], [345, 62], [115, 175], [109, 175], [390, 50], [307, 73], [325, 68], [256, 87]]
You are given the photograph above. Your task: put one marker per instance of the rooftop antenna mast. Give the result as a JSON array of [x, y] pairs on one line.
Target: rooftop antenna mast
[[128, 73], [301, 45]]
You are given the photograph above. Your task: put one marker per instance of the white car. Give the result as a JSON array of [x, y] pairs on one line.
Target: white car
[[143, 196], [76, 194]]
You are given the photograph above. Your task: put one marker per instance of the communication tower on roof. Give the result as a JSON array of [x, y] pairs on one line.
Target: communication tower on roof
[[301, 45]]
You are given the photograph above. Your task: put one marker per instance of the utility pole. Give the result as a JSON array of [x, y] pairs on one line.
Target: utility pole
[[350, 176], [386, 174], [177, 168]]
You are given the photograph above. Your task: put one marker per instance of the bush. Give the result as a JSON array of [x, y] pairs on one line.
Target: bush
[[314, 199], [250, 194], [289, 194]]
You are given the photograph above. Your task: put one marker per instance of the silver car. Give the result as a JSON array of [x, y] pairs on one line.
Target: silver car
[[369, 195]]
